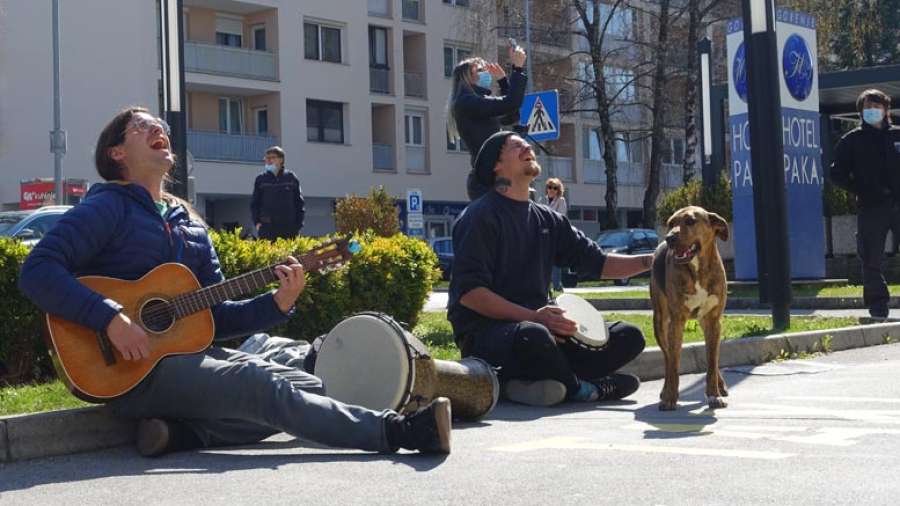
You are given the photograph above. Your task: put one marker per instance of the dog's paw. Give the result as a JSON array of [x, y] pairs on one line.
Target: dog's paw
[[668, 406], [716, 402]]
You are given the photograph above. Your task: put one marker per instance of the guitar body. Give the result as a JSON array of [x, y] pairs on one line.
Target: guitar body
[[95, 375]]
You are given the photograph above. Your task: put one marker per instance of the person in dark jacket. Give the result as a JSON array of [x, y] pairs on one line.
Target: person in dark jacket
[[474, 114], [277, 206], [867, 164], [128, 226], [504, 246]]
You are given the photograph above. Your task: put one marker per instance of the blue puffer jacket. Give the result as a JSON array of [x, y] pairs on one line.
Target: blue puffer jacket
[[117, 231]]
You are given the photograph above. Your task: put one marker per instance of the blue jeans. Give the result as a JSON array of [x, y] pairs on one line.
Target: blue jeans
[[231, 398]]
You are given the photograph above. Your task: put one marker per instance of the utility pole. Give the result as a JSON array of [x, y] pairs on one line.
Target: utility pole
[[766, 157], [529, 84], [57, 135], [172, 51]]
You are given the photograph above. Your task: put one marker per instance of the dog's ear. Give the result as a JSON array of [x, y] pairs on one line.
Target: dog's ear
[[671, 221], [719, 225]]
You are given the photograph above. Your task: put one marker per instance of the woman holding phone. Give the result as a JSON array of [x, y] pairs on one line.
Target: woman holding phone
[[474, 113]]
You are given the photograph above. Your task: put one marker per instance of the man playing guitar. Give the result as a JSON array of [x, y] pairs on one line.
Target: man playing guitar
[[128, 226]]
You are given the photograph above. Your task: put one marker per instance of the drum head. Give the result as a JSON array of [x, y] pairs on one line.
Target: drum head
[[591, 326], [364, 361]]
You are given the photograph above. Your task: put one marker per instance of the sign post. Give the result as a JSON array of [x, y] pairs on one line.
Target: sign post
[[540, 115], [415, 219]]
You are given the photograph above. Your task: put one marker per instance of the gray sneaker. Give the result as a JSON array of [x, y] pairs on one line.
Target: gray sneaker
[[536, 393]]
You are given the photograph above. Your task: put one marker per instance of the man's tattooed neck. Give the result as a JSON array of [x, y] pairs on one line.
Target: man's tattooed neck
[[502, 184]]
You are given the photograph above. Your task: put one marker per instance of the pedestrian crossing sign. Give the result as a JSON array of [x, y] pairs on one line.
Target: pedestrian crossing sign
[[540, 113]]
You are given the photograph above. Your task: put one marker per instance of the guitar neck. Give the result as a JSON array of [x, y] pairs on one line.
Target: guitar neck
[[229, 289]]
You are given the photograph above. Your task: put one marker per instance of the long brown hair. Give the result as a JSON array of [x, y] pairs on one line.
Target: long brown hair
[[461, 79], [112, 135]]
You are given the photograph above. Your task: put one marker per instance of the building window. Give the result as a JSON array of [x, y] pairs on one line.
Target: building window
[[629, 148], [324, 121], [593, 148], [452, 56], [378, 47], [230, 115], [619, 84], [412, 10], [621, 26], [458, 3], [259, 37], [414, 129], [673, 151], [262, 121], [229, 31], [322, 42], [458, 146], [574, 214]]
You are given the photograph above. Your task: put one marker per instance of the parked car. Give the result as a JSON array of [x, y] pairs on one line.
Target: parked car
[[625, 241], [29, 226], [443, 248]]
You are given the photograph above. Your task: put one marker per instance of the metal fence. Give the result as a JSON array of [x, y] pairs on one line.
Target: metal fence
[[228, 147], [415, 159], [414, 84], [379, 80], [231, 61], [383, 157]]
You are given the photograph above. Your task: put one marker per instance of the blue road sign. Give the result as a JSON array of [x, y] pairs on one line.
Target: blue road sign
[[540, 112]]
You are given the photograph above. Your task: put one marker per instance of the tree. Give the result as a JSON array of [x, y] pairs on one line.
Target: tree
[[377, 212]]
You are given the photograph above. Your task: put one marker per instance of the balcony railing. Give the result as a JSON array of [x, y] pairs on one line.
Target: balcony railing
[[672, 175], [630, 173], [557, 166], [414, 84], [228, 147], [380, 8], [230, 61], [383, 156], [594, 171], [415, 159], [379, 80], [412, 11]]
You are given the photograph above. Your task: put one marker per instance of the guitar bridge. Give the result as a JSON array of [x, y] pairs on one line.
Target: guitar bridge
[[106, 350]]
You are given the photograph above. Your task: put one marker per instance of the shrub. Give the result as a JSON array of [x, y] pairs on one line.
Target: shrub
[[716, 198], [23, 355], [377, 212], [837, 201]]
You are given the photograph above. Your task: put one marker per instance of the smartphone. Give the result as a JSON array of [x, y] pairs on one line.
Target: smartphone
[[512, 42]]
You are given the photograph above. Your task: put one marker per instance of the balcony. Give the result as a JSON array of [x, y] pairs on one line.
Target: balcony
[[380, 8], [415, 160], [672, 175], [228, 147], [414, 84], [230, 61], [379, 80], [383, 157], [557, 166], [630, 174], [594, 171]]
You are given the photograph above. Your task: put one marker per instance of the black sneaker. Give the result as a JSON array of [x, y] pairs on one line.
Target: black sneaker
[[156, 437], [616, 386], [426, 430], [878, 312]]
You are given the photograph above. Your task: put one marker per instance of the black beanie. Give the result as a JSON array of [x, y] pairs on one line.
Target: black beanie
[[488, 155]]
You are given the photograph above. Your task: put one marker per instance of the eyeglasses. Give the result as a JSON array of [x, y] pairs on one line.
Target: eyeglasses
[[552, 187], [143, 124]]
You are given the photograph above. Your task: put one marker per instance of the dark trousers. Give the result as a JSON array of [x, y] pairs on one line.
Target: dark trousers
[[872, 225], [528, 351], [272, 231]]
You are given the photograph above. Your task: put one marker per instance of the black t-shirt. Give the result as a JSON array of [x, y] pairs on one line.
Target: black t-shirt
[[509, 247]]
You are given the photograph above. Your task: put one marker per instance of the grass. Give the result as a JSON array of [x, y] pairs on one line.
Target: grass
[[751, 292], [435, 332], [35, 398]]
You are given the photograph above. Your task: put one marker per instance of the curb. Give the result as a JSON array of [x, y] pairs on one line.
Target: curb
[[79, 430], [824, 303]]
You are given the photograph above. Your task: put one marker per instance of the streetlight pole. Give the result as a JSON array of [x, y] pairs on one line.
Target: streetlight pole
[[704, 47], [766, 155], [529, 84], [57, 135], [172, 51]]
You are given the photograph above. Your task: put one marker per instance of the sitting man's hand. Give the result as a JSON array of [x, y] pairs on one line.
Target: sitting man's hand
[[552, 318], [291, 281]]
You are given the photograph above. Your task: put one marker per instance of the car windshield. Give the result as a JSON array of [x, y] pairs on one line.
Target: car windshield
[[9, 219], [613, 240]]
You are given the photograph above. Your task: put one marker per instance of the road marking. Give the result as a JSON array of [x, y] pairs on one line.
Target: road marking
[[577, 443], [886, 400], [745, 410]]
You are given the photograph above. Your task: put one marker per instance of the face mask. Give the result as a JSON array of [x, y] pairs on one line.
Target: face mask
[[484, 79], [873, 116], [271, 168]]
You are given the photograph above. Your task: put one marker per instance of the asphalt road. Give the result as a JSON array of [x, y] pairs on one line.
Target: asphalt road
[[820, 431]]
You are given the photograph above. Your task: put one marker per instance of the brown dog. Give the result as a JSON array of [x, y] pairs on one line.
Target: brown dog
[[688, 282]]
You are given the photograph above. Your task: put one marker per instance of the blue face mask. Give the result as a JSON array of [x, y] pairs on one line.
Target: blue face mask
[[485, 79], [873, 116], [271, 168]]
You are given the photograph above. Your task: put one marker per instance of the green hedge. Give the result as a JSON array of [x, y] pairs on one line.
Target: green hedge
[[391, 274]]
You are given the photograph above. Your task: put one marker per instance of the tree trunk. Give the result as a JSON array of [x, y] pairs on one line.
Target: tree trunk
[[659, 110], [689, 165]]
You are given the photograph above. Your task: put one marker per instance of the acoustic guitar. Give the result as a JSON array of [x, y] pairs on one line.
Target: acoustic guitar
[[172, 308]]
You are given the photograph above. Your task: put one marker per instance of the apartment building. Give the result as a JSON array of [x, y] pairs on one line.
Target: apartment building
[[353, 90]]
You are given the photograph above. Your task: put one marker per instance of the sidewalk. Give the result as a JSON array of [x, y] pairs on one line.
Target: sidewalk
[[70, 431]]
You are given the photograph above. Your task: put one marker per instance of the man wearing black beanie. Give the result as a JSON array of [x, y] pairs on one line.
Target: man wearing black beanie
[[504, 247]]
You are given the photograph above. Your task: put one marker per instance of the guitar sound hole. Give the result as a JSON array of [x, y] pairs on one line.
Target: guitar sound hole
[[157, 315]]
